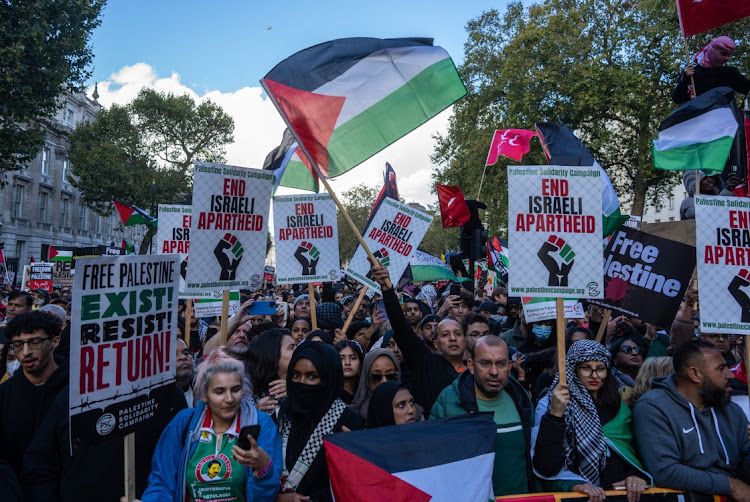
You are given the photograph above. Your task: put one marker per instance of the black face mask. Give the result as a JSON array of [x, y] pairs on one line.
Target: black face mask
[[307, 399]]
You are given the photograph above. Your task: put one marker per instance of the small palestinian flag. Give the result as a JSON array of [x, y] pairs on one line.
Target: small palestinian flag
[[497, 258], [392, 463], [55, 255], [698, 135], [290, 166], [131, 215], [129, 247], [425, 267], [345, 100]]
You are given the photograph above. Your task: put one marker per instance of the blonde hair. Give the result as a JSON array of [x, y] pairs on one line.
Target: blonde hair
[[653, 367], [218, 361]]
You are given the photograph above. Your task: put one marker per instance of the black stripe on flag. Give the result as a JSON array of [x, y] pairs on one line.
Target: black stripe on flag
[[310, 68], [562, 146], [718, 97], [420, 445]]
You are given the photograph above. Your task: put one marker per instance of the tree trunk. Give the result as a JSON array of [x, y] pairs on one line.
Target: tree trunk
[[147, 240], [639, 195]]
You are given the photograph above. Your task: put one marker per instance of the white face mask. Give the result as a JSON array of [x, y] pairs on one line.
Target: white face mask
[[11, 367]]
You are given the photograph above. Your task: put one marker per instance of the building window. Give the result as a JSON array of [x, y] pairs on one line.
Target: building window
[[46, 154], [109, 225], [43, 197], [98, 224], [18, 201], [671, 202], [21, 251], [82, 218], [64, 212], [65, 170], [671, 218], [69, 116]]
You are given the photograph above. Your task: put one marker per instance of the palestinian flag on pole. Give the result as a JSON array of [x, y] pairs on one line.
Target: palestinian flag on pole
[[55, 255], [425, 267], [132, 215], [698, 135], [392, 463], [290, 166], [563, 148], [497, 258], [347, 99]]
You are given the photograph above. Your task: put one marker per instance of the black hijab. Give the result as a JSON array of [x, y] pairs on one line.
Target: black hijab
[[307, 404], [380, 412], [325, 337]]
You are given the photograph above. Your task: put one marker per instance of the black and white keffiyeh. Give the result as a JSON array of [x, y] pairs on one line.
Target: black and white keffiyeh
[[584, 440]]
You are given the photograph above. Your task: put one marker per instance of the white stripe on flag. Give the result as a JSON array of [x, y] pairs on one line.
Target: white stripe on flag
[[710, 126], [378, 75], [461, 481], [505, 430]]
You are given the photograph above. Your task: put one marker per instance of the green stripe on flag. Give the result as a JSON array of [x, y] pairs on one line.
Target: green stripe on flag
[[297, 175], [709, 157], [431, 91], [612, 222]]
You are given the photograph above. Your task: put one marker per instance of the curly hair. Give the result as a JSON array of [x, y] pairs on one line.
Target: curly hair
[[32, 321]]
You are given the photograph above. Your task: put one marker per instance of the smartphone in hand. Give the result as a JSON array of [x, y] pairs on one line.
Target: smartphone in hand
[[253, 430]]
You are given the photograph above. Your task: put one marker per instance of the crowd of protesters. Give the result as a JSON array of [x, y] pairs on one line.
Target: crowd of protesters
[[644, 406]]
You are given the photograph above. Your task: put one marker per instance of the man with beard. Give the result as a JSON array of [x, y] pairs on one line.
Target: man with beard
[[489, 387], [690, 435]]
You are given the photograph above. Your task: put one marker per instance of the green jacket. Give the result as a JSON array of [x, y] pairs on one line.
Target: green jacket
[[513, 337]]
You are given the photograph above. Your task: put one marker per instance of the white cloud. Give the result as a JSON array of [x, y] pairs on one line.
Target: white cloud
[[258, 129]]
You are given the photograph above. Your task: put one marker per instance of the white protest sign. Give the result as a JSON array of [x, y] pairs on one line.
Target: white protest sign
[[541, 309], [173, 236], [722, 238], [211, 306], [555, 222], [393, 236], [229, 227], [306, 239], [122, 365]]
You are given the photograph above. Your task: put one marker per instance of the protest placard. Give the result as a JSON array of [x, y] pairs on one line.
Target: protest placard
[[537, 309], [10, 278], [268, 273], [40, 276], [393, 235], [645, 276], [211, 306], [228, 232], [554, 217], [722, 241], [173, 236], [306, 239], [122, 359], [25, 278]]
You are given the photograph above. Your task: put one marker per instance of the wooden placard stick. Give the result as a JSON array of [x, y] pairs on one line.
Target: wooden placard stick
[[224, 317], [603, 326], [188, 315], [313, 314], [129, 458], [354, 309], [561, 340]]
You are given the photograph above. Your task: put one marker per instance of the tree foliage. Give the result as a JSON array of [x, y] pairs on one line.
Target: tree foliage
[[358, 202], [44, 46], [606, 68], [154, 139]]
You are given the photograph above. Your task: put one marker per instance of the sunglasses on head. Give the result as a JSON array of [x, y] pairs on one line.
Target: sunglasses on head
[[628, 350], [378, 377]]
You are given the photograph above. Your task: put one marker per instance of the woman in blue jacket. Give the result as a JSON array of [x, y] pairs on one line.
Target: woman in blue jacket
[[197, 458]]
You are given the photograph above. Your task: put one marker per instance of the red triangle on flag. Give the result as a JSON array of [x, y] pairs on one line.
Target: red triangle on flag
[[124, 211], [52, 252], [373, 483], [311, 116]]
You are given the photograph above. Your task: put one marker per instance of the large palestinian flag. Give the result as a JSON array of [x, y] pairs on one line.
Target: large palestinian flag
[[699, 134], [446, 460], [132, 215], [345, 100], [563, 148]]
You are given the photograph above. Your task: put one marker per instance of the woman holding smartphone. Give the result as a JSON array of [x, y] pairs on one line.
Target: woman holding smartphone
[[199, 456]]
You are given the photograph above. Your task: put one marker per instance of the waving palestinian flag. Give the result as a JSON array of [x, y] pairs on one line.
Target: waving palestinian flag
[[131, 215], [60, 255], [345, 100], [290, 166]]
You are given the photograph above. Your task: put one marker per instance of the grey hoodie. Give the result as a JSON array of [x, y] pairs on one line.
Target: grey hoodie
[[689, 449], [687, 207]]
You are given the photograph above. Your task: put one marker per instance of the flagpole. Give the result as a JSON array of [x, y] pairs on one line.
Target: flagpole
[[313, 312], [695, 94], [481, 182], [354, 309]]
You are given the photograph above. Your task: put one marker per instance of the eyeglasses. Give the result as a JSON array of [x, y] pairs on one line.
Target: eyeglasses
[[378, 377], [587, 371], [627, 349], [34, 343], [714, 336]]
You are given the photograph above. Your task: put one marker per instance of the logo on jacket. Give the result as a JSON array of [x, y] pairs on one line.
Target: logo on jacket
[[213, 468]]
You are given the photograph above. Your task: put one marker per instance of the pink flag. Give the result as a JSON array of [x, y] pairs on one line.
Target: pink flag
[[513, 143]]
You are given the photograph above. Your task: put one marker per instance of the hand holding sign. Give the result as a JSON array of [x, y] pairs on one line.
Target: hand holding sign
[[229, 263], [741, 280], [558, 258]]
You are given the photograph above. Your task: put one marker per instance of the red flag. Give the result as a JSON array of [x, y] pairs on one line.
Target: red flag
[[513, 143], [699, 16], [453, 208]]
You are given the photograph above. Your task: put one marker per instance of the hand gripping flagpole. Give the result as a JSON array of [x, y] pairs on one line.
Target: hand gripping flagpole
[[322, 178]]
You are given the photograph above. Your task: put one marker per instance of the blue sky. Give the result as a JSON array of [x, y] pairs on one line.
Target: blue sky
[[220, 50], [225, 45]]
